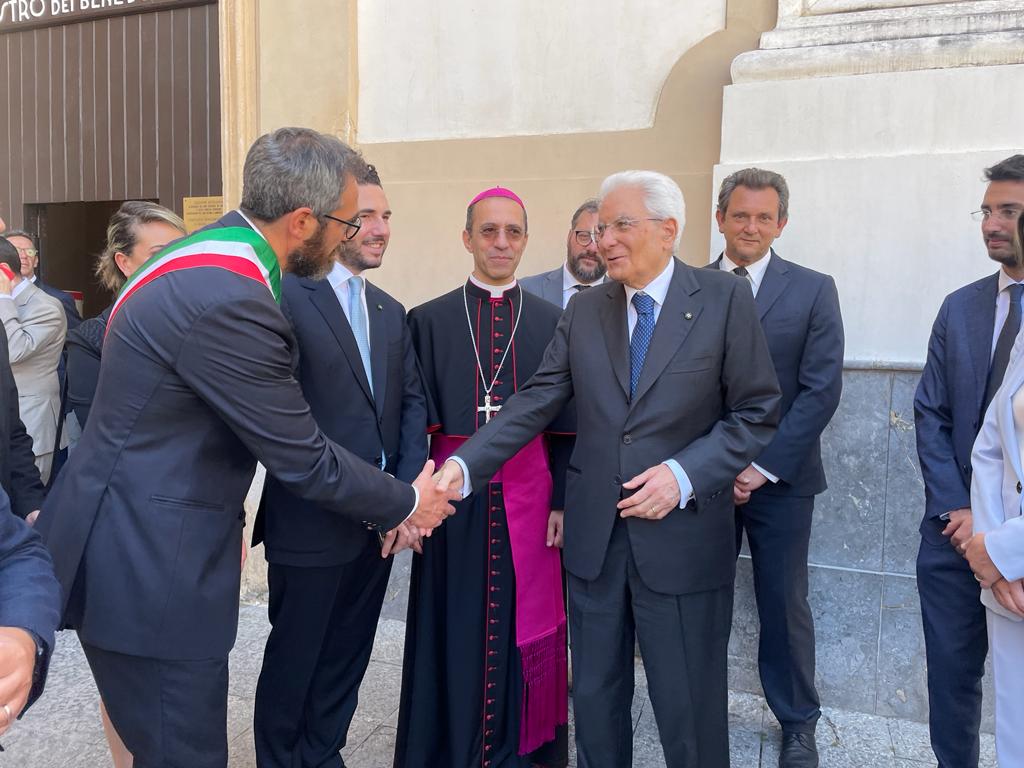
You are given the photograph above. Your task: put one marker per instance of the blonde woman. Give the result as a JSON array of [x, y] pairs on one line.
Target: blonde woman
[[996, 552], [137, 231]]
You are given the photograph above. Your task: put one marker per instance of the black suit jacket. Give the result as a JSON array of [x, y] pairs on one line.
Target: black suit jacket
[[392, 421], [800, 316], [145, 521], [18, 473], [707, 397], [66, 300], [29, 594]]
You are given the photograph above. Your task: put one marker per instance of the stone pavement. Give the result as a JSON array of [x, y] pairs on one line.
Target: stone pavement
[[63, 729]]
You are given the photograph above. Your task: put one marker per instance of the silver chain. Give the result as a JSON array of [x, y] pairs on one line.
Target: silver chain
[[476, 347]]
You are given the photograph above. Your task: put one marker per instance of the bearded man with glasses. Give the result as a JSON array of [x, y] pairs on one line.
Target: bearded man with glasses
[[584, 266]]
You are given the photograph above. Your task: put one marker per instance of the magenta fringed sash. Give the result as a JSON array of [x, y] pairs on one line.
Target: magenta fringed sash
[[540, 612]]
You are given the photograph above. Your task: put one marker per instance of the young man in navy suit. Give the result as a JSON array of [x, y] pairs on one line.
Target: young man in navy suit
[[327, 575], [774, 495], [967, 356]]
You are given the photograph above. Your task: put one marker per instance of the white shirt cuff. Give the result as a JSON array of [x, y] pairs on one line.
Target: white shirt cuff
[[7, 296], [467, 486], [771, 478], [416, 503], [685, 486]]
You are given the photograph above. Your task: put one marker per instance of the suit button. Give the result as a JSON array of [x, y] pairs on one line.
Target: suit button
[[627, 439], [1018, 488], [974, 424], [617, 480]]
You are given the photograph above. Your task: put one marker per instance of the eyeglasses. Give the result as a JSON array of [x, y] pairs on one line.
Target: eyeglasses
[[352, 227], [30, 252], [1003, 214], [621, 226], [585, 236], [512, 232]]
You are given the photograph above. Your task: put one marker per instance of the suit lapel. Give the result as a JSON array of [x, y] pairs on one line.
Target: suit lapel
[[326, 301], [981, 320], [616, 332], [774, 282], [672, 328], [553, 287], [378, 345]]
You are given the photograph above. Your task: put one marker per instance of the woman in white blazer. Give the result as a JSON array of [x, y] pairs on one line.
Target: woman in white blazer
[[996, 552]]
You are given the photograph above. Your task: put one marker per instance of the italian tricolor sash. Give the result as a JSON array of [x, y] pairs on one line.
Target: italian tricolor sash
[[236, 249]]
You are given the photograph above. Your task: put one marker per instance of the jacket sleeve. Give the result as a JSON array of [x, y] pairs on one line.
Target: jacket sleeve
[[29, 592], [26, 488], [237, 358], [944, 486], [527, 413], [412, 436], [24, 338], [751, 400], [820, 380]]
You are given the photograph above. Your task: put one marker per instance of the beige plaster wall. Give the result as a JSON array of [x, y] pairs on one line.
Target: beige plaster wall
[[307, 75]]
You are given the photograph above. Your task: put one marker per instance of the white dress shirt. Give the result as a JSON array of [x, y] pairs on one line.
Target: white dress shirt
[[569, 283], [755, 272]]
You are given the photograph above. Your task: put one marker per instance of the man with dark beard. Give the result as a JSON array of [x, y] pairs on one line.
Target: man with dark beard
[[328, 575], [968, 353], [195, 387], [584, 267]]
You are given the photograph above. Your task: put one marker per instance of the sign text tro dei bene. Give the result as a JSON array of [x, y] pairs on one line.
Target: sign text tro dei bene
[[17, 12]]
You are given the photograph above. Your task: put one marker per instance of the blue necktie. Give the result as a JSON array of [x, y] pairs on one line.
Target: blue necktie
[[357, 319], [641, 339]]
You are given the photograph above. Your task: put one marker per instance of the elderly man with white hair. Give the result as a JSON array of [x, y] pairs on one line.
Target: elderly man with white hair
[[678, 398]]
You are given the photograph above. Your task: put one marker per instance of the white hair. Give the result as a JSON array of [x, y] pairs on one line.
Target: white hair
[[662, 197]]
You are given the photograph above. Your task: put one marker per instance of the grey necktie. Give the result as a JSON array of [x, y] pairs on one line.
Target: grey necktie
[[357, 319], [1001, 356]]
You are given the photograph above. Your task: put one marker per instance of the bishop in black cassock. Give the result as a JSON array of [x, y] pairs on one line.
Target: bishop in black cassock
[[480, 687]]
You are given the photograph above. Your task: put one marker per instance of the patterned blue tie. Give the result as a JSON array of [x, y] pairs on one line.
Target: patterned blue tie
[[357, 319], [641, 339]]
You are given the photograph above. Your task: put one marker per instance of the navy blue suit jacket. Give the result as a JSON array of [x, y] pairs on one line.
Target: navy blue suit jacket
[[801, 319], [391, 421], [145, 522], [29, 594], [947, 407]]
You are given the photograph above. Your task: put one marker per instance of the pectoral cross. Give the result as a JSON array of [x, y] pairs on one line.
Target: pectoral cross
[[488, 410]]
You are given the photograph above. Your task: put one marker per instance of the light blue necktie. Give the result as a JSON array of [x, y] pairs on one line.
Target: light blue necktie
[[357, 319], [642, 333]]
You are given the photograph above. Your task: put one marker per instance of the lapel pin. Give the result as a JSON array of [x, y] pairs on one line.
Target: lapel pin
[[380, 308], [688, 315]]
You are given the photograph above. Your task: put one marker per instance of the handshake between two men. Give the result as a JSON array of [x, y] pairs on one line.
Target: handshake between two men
[[434, 504]]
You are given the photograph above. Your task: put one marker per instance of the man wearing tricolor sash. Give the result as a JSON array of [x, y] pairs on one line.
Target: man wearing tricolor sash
[[195, 386]]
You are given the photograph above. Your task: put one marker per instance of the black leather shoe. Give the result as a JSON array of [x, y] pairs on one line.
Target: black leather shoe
[[798, 751]]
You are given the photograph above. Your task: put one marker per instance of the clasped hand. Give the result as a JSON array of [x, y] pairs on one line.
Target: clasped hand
[[657, 494], [1010, 594], [17, 661], [434, 503]]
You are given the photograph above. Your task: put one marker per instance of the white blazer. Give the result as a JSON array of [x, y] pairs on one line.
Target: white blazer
[[998, 478]]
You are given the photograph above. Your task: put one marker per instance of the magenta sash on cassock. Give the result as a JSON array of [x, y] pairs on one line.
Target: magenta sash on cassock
[[540, 612]]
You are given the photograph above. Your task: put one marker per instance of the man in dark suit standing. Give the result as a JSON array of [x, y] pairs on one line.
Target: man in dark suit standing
[[678, 398], [584, 266], [774, 495], [29, 614], [29, 255], [327, 575], [195, 386], [968, 353]]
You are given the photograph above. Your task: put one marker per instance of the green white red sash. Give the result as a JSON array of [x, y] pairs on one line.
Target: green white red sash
[[237, 249]]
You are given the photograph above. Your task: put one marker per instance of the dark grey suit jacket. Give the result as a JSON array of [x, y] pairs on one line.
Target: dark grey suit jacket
[[707, 397], [547, 285], [145, 521]]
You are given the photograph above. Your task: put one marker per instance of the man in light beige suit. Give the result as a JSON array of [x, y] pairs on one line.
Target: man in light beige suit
[[36, 325]]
